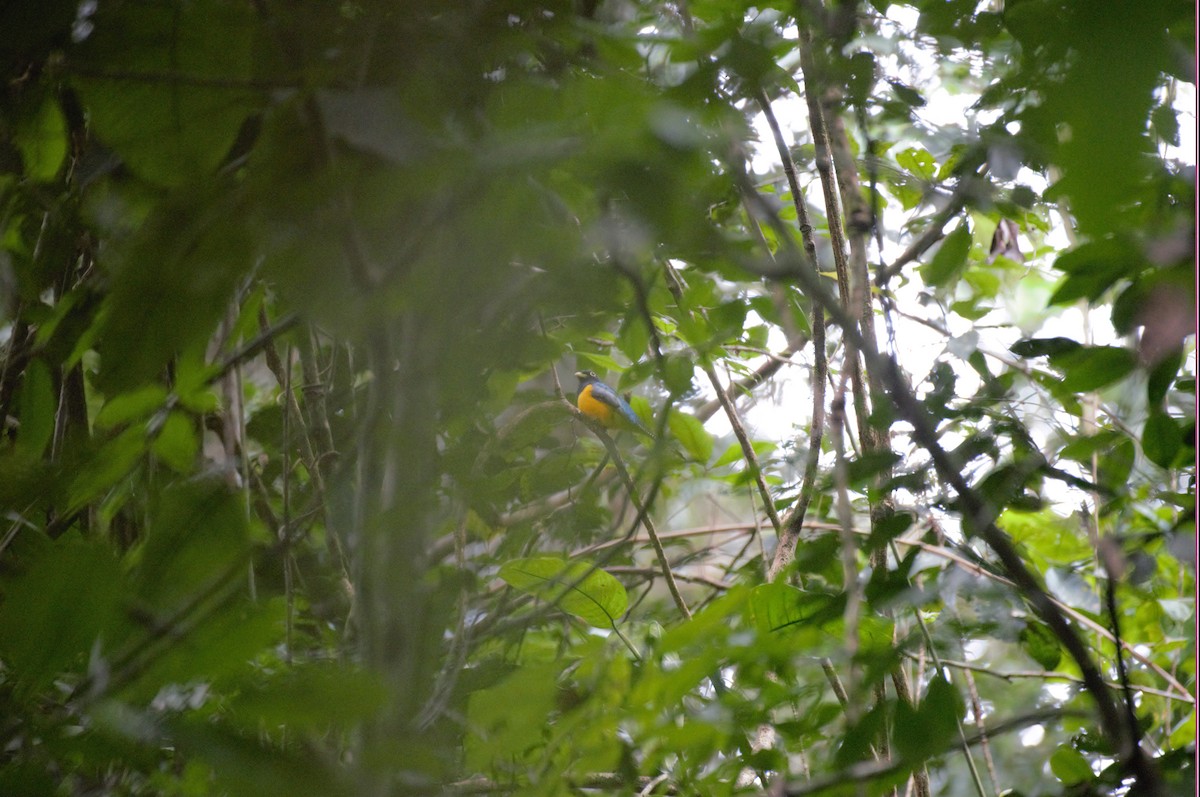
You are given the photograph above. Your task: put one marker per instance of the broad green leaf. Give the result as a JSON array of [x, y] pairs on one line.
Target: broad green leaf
[[57, 608], [179, 89], [985, 282], [949, 259], [1047, 536], [1081, 449], [633, 337], [248, 765], [1092, 367], [1041, 644], [593, 361], [1036, 347], [198, 535], [313, 695], [578, 588], [1116, 463], [909, 96], [711, 622], [689, 431], [890, 527], [926, 729], [511, 715], [25, 477], [1093, 267], [641, 408], [1069, 766], [1106, 157], [857, 743], [734, 452], [37, 408], [218, 645], [778, 606], [728, 320], [1161, 439], [175, 277], [1178, 609], [679, 373], [869, 464], [42, 140], [1161, 377], [132, 405], [176, 443], [106, 466], [917, 162]]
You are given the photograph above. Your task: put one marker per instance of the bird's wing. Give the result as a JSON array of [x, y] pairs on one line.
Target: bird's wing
[[604, 393]]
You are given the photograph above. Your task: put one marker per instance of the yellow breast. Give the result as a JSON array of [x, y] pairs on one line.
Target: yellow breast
[[594, 408]]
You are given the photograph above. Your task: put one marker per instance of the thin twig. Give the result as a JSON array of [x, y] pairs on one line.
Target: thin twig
[[785, 548]]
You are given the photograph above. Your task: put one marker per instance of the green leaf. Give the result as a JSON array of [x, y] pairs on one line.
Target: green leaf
[[1093, 267], [578, 588], [1041, 644], [734, 452], [909, 96], [950, 258], [1161, 439], [869, 464], [175, 277], [633, 337], [1069, 766], [37, 408], [181, 86], [1178, 609], [1161, 376], [198, 533], [858, 741], [1116, 463], [314, 695], [1166, 124], [54, 611], [176, 443], [689, 431], [106, 466], [728, 320], [1047, 536], [889, 528], [218, 647], [926, 729], [595, 361], [247, 764], [679, 373], [133, 405], [1092, 367], [42, 140], [1081, 448], [777, 606], [917, 162], [1036, 347], [510, 716]]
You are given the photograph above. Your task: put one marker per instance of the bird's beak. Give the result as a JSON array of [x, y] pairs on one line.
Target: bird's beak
[[580, 375]]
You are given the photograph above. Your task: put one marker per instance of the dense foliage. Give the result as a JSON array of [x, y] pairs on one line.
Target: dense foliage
[[296, 499]]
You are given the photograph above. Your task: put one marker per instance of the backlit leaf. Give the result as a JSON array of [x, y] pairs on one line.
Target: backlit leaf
[[576, 587]]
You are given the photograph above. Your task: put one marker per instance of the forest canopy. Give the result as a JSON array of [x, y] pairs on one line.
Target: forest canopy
[[301, 303]]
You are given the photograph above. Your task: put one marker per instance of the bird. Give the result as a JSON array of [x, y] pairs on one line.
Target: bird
[[601, 403]]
